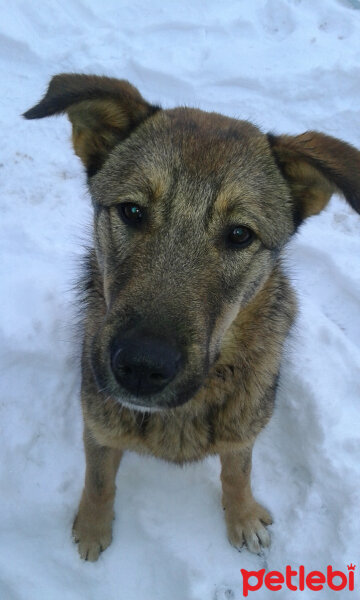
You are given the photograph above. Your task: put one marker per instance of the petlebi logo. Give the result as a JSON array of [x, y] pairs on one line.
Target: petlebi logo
[[295, 580]]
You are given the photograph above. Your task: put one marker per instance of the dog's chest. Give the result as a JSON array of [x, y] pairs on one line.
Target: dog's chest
[[174, 438], [180, 435]]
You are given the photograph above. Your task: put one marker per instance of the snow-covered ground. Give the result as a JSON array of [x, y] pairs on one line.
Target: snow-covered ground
[[289, 66]]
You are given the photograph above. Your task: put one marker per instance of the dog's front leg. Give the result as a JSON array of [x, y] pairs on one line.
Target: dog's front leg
[[245, 518], [92, 527]]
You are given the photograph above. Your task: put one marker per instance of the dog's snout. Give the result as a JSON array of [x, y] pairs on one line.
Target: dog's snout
[[144, 365]]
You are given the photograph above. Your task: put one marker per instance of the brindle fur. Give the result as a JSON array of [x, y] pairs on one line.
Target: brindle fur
[[195, 175]]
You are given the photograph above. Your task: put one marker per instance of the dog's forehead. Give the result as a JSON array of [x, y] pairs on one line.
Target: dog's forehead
[[208, 144], [204, 127], [200, 164], [198, 149], [227, 161]]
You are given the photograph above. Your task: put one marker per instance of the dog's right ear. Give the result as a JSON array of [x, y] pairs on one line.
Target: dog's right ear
[[103, 111]]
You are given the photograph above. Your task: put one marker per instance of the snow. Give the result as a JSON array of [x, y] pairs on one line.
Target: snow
[[289, 66]]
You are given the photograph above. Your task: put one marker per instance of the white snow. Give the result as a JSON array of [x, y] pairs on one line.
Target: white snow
[[289, 66]]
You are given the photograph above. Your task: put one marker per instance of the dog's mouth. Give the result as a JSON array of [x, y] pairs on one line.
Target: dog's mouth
[[171, 397], [144, 408]]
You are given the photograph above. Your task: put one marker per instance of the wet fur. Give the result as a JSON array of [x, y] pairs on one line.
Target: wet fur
[[196, 175]]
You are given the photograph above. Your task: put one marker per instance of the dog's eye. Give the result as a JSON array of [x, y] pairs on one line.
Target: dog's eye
[[130, 213], [240, 237]]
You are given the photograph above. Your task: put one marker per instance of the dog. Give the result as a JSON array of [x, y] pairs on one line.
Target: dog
[[186, 305]]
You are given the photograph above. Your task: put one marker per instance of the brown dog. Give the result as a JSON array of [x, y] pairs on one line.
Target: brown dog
[[186, 304]]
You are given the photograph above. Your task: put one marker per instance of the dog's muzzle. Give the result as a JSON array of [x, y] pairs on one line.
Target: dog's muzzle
[[144, 365]]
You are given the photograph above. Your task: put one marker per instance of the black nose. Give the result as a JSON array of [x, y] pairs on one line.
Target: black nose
[[144, 365]]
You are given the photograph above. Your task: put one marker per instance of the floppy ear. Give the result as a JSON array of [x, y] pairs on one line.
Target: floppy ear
[[316, 165], [103, 111]]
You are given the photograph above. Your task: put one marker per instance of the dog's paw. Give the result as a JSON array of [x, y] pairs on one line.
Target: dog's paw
[[247, 525], [91, 536]]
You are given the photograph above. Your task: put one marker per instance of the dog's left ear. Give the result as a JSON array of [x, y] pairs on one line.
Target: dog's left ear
[[315, 166], [102, 110]]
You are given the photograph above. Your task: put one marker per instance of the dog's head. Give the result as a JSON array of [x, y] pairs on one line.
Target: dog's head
[[191, 212]]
